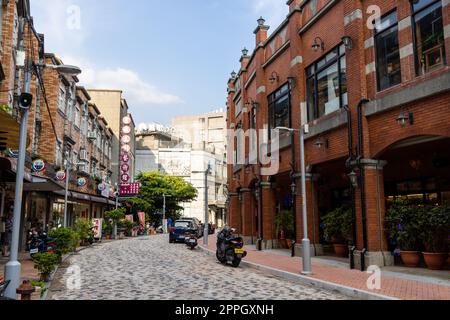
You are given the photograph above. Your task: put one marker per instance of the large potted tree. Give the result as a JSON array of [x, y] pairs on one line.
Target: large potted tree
[[337, 226], [435, 233], [284, 222], [403, 227]]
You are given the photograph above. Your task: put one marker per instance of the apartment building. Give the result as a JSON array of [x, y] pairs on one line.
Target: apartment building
[[374, 94]]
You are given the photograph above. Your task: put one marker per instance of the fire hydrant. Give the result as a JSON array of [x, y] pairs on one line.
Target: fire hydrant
[[26, 290]]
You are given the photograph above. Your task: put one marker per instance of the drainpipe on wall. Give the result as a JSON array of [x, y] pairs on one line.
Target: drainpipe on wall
[[362, 181], [294, 194], [352, 188]]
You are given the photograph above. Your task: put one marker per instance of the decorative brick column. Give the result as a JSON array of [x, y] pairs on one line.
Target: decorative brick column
[[233, 212], [312, 207], [377, 250], [247, 206], [270, 238]]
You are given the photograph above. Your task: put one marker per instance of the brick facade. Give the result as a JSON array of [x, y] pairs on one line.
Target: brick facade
[[285, 56]]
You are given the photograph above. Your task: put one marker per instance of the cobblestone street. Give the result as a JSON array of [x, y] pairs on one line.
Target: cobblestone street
[[150, 268]]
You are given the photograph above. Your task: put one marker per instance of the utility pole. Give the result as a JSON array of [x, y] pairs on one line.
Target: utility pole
[[13, 267], [66, 193], [164, 224], [206, 224]]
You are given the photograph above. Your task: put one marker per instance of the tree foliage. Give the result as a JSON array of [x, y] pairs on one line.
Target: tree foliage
[[154, 186]]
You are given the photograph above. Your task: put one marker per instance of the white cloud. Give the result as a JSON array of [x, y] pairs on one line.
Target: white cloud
[[274, 11], [135, 89]]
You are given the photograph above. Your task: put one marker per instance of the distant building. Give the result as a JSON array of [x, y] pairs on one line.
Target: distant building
[[114, 109], [181, 151]]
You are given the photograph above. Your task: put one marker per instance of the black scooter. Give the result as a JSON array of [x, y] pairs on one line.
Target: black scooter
[[230, 249], [40, 242], [191, 239]]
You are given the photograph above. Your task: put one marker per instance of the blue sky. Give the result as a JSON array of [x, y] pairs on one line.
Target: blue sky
[[170, 57]]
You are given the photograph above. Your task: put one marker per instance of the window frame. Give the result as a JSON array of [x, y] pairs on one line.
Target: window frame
[[316, 71], [378, 34], [272, 99], [417, 65]]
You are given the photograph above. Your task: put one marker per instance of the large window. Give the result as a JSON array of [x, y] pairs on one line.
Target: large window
[[388, 53], [326, 84], [428, 35], [280, 108], [62, 100]]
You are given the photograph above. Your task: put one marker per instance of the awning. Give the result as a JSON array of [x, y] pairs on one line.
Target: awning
[[85, 197], [8, 166], [42, 184]]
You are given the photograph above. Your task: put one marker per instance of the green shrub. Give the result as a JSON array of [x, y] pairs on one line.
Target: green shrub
[[107, 227], [66, 240], [284, 221], [115, 215], [126, 225], [45, 263], [435, 228], [84, 228], [403, 225], [337, 225]]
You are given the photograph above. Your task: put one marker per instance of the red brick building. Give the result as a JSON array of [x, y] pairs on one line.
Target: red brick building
[[374, 92]]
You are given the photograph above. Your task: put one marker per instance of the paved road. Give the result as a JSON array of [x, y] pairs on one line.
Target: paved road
[[150, 268]]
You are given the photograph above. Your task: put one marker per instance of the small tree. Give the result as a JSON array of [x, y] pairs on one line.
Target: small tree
[[435, 228], [45, 263], [337, 225]]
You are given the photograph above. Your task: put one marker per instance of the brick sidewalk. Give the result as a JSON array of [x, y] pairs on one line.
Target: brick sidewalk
[[401, 288]]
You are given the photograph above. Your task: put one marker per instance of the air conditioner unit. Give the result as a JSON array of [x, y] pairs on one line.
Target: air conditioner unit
[[92, 136], [83, 155]]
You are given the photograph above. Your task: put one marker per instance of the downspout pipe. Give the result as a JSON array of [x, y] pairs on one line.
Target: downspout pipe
[[260, 213], [352, 188], [362, 180], [294, 194]]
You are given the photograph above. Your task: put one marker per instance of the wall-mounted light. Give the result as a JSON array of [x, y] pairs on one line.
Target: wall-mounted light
[[251, 104], [244, 52], [274, 77], [240, 197], [233, 75], [348, 42], [318, 45], [320, 143], [405, 117], [353, 176], [294, 189], [292, 82]]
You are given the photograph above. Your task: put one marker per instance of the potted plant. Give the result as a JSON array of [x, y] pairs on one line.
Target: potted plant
[[337, 227], [84, 229], [402, 226], [66, 240], [284, 222], [45, 263], [435, 226], [107, 229], [115, 216]]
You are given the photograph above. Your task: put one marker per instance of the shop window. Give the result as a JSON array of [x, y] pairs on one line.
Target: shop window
[[280, 108], [327, 84], [428, 35], [387, 52]]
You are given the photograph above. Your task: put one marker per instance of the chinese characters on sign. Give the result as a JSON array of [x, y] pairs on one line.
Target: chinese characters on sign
[[126, 188], [129, 189]]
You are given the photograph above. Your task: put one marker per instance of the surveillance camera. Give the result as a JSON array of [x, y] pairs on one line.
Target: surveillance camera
[[26, 99]]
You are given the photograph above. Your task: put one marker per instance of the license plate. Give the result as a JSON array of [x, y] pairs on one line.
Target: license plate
[[239, 251], [33, 251], [192, 241], [180, 237]]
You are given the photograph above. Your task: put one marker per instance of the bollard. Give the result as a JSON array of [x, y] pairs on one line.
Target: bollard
[[25, 290]]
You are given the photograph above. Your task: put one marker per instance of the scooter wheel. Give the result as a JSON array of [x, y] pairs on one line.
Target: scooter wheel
[[236, 263]]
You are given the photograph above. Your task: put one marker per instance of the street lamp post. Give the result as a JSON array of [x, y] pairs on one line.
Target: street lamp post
[[164, 223], [206, 228], [306, 244]]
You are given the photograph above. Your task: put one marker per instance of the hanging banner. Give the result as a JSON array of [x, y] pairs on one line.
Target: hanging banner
[[97, 228], [141, 216]]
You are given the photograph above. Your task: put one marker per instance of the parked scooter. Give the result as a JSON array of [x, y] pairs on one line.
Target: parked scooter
[[230, 249], [40, 242], [191, 239]]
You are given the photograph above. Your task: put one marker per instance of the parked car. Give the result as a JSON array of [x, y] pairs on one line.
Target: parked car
[[179, 230], [197, 224]]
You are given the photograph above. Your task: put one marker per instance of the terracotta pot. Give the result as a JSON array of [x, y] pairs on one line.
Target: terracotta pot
[[108, 237], [435, 261], [283, 243], [410, 258], [341, 250]]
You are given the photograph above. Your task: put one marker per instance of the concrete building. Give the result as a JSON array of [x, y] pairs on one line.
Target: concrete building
[[376, 99], [114, 109], [179, 151]]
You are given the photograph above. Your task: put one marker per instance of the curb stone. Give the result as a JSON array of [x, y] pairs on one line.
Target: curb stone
[[321, 284]]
